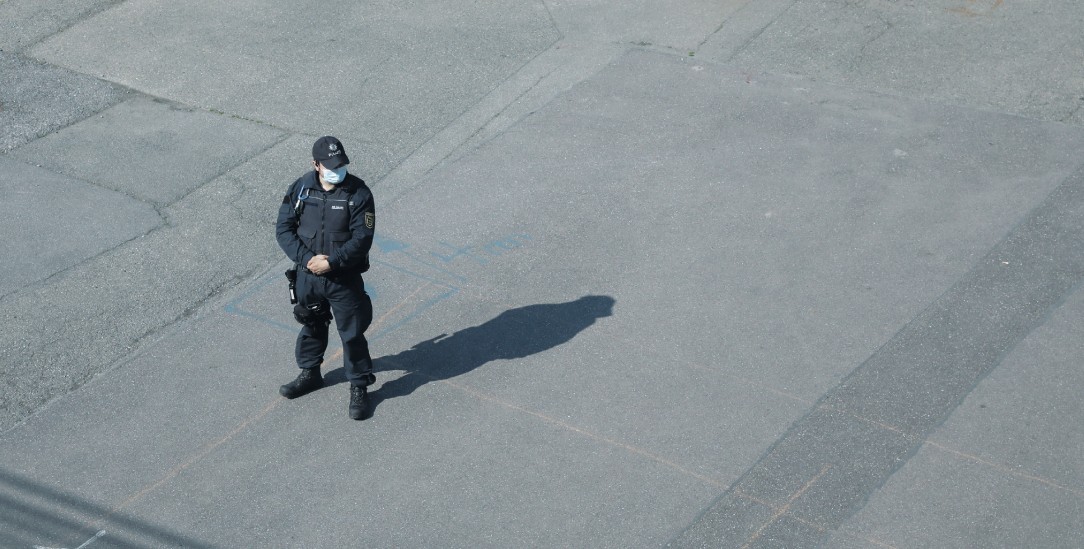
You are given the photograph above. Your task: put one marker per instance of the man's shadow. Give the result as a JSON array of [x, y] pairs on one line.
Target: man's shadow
[[515, 333]]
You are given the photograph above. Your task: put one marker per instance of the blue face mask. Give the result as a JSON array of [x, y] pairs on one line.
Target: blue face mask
[[334, 177]]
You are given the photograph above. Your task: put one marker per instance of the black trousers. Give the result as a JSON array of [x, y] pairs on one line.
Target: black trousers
[[353, 312]]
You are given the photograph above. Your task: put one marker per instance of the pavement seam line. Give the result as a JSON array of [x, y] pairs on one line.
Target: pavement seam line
[[379, 321], [734, 14], [282, 138], [625, 446], [462, 113], [975, 324], [786, 507], [68, 25], [1002, 468], [200, 454], [959, 454], [777, 511], [454, 150], [208, 448], [756, 35], [553, 20], [569, 427], [39, 284], [484, 125], [749, 497]]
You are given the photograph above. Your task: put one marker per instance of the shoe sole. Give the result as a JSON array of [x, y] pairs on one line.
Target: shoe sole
[[284, 391]]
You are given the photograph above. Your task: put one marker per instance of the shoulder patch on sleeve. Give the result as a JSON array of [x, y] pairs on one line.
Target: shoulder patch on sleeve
[[370, 220]]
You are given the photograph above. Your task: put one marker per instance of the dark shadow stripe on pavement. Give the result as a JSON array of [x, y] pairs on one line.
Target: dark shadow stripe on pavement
[[828, 464]]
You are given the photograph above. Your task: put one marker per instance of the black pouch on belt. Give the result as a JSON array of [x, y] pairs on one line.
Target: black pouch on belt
[[313, 315]]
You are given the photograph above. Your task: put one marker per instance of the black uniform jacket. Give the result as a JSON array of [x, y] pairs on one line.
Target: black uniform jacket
[[338, 223]]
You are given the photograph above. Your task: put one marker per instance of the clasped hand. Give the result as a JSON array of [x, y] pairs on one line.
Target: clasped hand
[[318, 265]]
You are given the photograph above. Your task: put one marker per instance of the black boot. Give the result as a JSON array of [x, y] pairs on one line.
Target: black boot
[[359, 402], [307, 381]]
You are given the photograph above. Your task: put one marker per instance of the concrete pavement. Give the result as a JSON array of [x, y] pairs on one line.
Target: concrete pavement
[[738, 274]]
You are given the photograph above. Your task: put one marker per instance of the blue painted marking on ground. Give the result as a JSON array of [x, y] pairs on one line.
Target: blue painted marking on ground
[[388, 245], [457, 251], [234, 306], [262, 319], [412, 273], [235, 303]]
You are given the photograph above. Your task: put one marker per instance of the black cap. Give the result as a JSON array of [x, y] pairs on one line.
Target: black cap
[[329, 152]]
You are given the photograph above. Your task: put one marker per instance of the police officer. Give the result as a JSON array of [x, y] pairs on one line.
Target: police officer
[[326, 224]]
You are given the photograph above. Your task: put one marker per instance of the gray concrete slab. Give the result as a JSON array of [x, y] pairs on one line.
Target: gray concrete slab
[[365, 76], [942, 499], [126, 294], [1037, 384], [1014, 57], [829, 463], [823, 241], [680, 26], [532, 87], [1010, 457], [438, 443], [138, 403], [36, 247], [152, 150], [25, 22], [36, 99], [700, 251], [1005, 470], [607, 339], [34, 512]]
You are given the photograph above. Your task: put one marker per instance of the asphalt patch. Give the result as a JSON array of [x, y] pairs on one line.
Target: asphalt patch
[[38, 99]]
